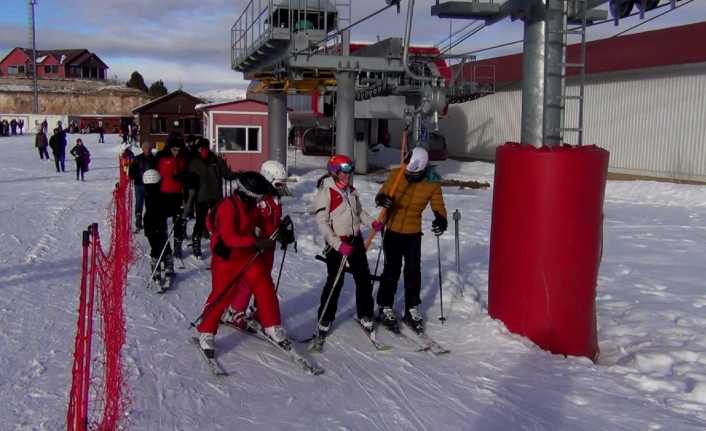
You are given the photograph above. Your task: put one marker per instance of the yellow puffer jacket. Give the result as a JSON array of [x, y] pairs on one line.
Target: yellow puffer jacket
[[410, 200]]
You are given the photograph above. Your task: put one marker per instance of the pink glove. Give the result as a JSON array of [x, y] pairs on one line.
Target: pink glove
[[378, 225], [345, 249]]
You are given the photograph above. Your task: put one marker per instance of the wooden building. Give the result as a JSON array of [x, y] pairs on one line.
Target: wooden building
[[238, 130], [173, 112], [54, 63]]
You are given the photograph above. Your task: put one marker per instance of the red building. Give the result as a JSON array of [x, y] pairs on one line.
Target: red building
[[55, 63], [238, 131]]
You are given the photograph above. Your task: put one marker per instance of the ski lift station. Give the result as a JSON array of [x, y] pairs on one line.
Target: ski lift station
[[554, 119]]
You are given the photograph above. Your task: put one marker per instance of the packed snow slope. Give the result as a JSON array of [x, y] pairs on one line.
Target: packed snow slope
[[651, 314]]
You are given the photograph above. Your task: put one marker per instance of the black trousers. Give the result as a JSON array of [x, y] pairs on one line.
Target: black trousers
[[200, 220], [59, 162], [172, 204], [399, 246], [361, 274], [43, 153]]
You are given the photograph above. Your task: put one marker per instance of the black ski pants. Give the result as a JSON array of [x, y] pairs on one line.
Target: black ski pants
[[358, 262], [59, 162], [43, 153], [398, 246], [173, 208], [200, 220]]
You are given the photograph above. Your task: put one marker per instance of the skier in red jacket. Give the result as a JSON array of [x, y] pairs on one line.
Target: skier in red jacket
[[238, 257], [270, 215], [172, 167]]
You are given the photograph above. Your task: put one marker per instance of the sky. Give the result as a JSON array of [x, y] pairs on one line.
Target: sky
[[186, 43]]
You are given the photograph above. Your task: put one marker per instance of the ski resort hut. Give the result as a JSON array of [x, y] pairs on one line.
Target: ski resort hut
[[237, 130], [173, 112]]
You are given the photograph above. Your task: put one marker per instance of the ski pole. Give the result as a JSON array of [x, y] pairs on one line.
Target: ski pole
[[281, 265], [333, 287], [233, 282], [441, 292], [377, 261], [229, 286], [457, 217], [161, 255]]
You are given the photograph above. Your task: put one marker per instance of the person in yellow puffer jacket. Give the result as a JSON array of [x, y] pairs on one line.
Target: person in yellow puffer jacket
[[419, 187]]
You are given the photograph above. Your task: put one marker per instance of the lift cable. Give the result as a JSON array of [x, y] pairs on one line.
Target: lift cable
[[654, 17], [476, 51]]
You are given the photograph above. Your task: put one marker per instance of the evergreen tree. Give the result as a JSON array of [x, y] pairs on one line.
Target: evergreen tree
[[157, 89], [137, 81]]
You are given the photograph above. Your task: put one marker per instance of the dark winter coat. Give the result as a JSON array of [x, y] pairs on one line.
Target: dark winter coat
[[82, 155], [139, 165], [57, 144], [40, 141], [210, 172]]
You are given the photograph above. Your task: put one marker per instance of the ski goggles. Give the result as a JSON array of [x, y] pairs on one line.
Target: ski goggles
[[346, 168]]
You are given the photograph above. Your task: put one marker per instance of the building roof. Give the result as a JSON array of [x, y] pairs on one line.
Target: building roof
[[656, 48], [164, 98], [68, 55], [203, 106]]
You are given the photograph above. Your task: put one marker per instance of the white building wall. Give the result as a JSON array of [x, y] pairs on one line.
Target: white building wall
[[653, 122]]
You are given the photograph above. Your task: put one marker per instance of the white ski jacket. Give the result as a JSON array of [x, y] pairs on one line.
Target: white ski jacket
[[338, 213]]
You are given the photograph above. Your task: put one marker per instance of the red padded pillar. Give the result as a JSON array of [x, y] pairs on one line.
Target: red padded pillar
[[545, 244]]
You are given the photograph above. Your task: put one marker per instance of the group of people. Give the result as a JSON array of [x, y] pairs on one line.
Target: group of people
[[12, 128], [340, 218], [58, 143], [246, 226]]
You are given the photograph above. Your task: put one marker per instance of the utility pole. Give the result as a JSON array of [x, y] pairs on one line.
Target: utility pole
[[33, 41]]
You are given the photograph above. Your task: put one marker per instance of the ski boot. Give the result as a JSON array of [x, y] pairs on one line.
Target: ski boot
[[413, 319], [168, 260], [235, 318], [276, 334], [389, 320], [207, 343], [367, 324], [157, 273], [317, 343]]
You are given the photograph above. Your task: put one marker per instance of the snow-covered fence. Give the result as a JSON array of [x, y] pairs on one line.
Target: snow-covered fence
[[103, 277]]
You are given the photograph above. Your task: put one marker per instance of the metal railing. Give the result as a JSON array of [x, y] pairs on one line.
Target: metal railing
[[264, 20]]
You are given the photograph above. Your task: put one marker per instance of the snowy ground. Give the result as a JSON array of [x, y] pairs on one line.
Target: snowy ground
[[651, 314]]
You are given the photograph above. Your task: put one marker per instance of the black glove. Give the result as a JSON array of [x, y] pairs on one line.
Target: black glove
[[439, 225], [383, 200], [285, 234], [262, 244]]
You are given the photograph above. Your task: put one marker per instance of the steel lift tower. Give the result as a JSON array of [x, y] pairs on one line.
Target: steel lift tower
[[302, 46]]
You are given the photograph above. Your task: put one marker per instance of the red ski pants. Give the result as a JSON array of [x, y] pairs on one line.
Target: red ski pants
[[257, 277], [241, 298]]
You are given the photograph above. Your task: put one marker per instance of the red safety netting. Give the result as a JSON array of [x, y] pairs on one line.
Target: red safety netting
[[99, 395]]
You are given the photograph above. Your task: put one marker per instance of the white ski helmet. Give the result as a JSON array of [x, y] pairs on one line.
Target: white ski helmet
[[151, 176], [418, 160], [274, 171]]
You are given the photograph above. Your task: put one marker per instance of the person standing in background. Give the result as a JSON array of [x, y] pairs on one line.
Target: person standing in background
[[40, 141]]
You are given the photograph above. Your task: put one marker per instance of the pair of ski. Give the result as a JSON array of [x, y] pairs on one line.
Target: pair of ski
[[422, 341], [254, 329], [316, 343]]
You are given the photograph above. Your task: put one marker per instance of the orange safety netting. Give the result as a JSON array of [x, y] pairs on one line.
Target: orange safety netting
[[104, 389]]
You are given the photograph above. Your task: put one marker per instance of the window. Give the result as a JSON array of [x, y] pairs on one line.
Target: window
[[158, 125], [51, 69], [12, 70], [239, 138], [192, 126], [20, 69]]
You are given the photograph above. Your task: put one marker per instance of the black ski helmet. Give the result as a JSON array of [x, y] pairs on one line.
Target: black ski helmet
[[252, 186]]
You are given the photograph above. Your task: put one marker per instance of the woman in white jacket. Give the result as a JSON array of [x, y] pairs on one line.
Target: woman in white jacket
[[340, 217]]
